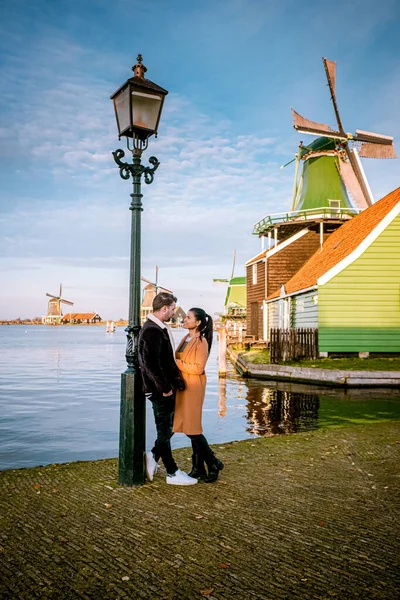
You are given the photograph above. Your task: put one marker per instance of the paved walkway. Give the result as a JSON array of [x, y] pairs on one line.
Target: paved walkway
[[310, 515]]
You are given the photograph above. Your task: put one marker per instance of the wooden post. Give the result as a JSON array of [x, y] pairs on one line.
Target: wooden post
[[240, 333], [222, 351]]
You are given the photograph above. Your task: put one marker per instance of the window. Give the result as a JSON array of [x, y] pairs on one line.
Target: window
[[254, 274], [334, 205]]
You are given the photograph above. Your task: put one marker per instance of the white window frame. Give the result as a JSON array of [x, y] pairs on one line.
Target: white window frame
[[254, 274]]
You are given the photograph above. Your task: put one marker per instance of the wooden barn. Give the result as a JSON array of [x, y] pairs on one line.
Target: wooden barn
[[350, 288]]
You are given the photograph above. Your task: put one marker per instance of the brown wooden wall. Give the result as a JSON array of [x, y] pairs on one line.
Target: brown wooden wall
[[255, 295], [280, 268], [285, 263]]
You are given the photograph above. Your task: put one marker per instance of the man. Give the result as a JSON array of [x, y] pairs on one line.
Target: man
[[161, 377]]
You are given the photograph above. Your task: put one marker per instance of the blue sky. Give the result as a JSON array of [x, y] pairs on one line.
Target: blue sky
[[233, 68]]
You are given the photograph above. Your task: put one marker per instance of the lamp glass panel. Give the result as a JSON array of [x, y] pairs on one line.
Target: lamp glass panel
[[145, 110], [122, 109]]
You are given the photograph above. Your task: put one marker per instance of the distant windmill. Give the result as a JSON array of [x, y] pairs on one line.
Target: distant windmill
[[235, 300], [54, 308], [153, 285], [341, 145], [149, 293]]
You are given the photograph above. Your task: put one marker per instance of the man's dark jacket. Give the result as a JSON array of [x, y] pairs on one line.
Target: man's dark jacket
[[156, 358]]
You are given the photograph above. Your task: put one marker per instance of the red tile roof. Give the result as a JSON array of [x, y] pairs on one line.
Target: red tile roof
[[340, 244], [81, 316]]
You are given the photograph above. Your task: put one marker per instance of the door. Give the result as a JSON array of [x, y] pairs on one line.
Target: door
[[254, 319]]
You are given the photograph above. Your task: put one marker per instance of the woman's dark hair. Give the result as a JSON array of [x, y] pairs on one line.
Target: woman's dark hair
[[206, 325]]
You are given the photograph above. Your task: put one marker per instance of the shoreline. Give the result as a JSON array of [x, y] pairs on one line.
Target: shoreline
[[314, 375]]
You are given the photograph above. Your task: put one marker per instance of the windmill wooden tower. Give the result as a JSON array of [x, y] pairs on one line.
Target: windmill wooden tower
[[54, 312]]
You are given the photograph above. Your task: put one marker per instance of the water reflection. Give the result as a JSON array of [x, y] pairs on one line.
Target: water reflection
[[222, 397], [272, 411]]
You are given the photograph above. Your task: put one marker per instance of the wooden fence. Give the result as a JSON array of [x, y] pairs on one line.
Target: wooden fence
[[292, 344]]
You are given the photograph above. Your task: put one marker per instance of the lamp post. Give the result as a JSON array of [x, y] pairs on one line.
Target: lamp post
[[138, 104]]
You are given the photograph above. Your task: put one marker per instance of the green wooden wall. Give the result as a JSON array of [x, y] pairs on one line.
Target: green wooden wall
[[305, 310], [359, 309]]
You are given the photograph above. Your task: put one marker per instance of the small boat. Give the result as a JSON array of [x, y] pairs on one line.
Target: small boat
[[110, 327]]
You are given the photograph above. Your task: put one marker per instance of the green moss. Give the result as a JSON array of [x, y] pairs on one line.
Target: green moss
[[343, 364]]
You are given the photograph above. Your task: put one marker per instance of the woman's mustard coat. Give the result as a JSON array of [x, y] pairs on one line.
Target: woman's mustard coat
[[189, 403]]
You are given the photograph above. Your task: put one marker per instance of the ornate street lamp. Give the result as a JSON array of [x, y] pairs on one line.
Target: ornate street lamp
[[138, 104]]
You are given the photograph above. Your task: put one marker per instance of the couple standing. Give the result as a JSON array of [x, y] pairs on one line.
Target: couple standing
[[175, 383]]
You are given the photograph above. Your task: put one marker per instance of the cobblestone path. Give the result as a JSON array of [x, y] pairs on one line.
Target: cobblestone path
[[310, 516]]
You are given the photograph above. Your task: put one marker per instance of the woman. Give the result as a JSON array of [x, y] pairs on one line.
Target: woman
[[191, 358]]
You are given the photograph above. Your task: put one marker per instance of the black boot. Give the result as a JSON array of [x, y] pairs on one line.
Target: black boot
[[214, 467], [198, 469]]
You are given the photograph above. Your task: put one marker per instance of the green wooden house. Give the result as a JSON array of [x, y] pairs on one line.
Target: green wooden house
[[350, 288]]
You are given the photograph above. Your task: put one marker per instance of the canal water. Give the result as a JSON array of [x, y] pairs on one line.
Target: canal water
[[60, 388]]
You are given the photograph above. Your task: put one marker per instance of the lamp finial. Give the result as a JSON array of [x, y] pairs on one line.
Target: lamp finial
[[139, 69]]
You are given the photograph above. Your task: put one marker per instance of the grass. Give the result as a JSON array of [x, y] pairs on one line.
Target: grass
[[343, 364]]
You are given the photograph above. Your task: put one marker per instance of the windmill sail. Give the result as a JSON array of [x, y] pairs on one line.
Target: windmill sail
[[330, 70], [307, 126], [371, 150], [330, 67], [360, 175], [352, 184]]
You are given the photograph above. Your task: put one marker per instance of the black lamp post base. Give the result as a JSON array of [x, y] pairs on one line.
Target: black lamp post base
[[132, 434]]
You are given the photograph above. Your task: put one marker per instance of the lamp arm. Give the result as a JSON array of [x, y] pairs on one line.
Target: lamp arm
[[136, 169]]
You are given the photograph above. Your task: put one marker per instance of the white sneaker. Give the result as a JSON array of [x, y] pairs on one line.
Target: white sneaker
[[151, 466], [181, 478]]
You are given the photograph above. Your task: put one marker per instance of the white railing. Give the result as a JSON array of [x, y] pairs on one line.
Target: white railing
[[325, 212]]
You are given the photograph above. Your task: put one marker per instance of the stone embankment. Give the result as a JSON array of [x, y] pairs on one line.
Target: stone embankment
[[327, 377], [304, 516]]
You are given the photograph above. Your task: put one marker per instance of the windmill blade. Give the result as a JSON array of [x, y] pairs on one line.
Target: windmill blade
[[66, 302], [330, 70], [234, 262], [51, 296], [164, 289], [369, 150], [147, 281], [306, 126], [375, 145], [374, 138], [360, 175], [352, 184]]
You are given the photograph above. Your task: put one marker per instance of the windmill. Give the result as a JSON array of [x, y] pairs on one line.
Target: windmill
[[54, 307], [235, 299], [149, 293], [345, 148]]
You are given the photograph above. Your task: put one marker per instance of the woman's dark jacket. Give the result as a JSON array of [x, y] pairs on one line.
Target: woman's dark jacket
[[156, 358]]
